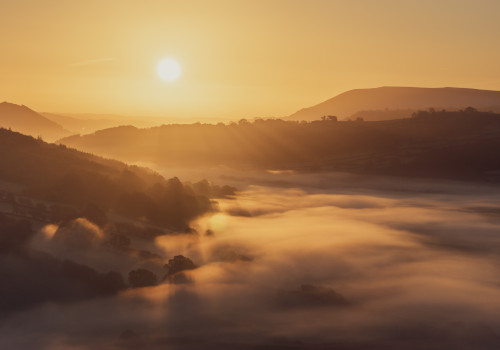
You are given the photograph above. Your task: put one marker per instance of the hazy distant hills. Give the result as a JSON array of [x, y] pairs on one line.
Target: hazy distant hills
[[81, 125], [457, 145], [25, 120], [399, 98], [87, 123], [53, 126]]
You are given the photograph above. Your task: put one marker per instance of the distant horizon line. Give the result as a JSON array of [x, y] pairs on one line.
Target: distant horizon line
[[149, 116]]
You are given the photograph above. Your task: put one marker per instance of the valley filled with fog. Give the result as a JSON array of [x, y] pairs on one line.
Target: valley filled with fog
[[250, 175], [268, 234], [295, 261]]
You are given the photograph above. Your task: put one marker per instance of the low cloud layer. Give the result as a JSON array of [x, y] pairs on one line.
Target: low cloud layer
[[300, 270]]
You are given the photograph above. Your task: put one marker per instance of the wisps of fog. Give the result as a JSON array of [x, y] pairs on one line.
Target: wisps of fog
[[325, 182], [297, 267]]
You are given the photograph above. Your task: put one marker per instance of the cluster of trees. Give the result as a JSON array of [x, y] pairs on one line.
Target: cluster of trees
[[381, 114], [26, 207], [431, 112], [92, 185], [174, 273], [69, 187], [30, 277]]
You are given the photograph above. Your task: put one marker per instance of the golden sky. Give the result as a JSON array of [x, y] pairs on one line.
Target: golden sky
[[240, 59]]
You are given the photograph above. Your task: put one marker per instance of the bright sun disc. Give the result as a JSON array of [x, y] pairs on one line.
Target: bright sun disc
[[168, 69]]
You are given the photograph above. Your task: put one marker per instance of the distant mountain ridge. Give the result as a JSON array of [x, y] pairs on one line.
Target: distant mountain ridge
[[25, 120], [348, 103], [80, 126], [86, 123]]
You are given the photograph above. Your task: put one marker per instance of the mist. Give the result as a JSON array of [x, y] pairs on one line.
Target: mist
[[250, 175], [292, 267]]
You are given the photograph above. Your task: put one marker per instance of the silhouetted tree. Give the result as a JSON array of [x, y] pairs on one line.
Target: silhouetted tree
[[177, 264], [329, 118]]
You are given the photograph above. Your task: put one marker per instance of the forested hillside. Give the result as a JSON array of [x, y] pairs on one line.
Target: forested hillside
[[462, 144], [81, 181]]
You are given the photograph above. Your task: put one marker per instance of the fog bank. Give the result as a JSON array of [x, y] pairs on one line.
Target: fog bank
[[293, 268]]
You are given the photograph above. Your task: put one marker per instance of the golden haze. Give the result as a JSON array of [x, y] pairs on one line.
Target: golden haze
[[239, 58]]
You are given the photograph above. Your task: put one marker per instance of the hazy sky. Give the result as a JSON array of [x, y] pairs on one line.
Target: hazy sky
[[239, 58]]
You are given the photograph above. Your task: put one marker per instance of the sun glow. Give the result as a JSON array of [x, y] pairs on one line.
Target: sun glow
[[168, 69]]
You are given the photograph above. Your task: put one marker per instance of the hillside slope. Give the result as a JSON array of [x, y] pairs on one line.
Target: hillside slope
[[456, 145], [79, 180], [76, 125], [393, 98], [27, 121]]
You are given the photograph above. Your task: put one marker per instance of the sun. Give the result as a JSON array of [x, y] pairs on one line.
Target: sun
[[168, 69]]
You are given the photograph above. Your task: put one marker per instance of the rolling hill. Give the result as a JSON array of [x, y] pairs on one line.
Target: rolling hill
[[66, 176], [456, 144], [27, 121], [402, 98], [80, 126], [104, 217], [87, 123]]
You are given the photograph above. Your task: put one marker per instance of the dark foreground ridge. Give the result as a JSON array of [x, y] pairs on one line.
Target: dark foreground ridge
[[75, 184]]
